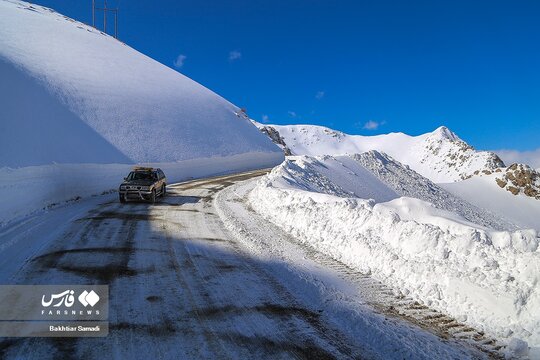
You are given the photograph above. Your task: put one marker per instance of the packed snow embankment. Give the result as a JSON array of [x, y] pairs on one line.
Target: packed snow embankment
[[28, 189], [483, 277]]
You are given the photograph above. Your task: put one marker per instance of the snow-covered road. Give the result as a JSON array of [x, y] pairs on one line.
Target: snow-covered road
[[200, 276]]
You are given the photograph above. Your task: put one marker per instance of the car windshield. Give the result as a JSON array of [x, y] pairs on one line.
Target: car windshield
[[138, 175]]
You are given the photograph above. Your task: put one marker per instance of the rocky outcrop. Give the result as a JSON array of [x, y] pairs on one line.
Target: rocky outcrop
[[520, 179], [274, 135], [456, 154]]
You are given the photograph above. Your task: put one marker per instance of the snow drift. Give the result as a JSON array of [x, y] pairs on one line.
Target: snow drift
[[406, 182], [481, 276], [71, 94]]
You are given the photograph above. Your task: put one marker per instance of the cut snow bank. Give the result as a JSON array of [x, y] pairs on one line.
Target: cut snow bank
[[33, 188], [483, 277]]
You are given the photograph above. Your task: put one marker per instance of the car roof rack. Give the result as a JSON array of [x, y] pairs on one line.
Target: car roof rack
[[142, 168]]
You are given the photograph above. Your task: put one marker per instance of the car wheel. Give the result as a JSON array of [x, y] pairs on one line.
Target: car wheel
[[163, 190], [122, 198], [153, 196]]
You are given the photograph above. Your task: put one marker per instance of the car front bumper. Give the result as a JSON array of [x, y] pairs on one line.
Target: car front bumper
[[136, 194]]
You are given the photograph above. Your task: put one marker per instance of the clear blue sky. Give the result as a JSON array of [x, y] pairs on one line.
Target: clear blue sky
[[407, 66]]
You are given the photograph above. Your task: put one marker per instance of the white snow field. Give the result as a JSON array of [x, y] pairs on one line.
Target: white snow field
[[484, 192], [481, 276], [441, 155], [73, 95]]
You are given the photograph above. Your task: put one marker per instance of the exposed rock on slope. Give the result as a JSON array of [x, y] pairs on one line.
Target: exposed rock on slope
[[455, 155], [483, 191], [273, 134], [520, 178]]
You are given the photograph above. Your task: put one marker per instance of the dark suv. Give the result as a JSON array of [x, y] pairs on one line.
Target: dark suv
[[143, 183]]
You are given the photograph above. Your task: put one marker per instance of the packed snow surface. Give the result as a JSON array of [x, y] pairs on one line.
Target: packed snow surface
[[197, 291], [481, 276], [441, 155]]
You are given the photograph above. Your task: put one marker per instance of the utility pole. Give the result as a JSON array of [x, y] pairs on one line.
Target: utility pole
[[105, 16], [105, 9]]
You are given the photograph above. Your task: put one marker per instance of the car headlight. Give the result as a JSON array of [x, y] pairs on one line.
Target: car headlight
[[122, 187], [145, 188]]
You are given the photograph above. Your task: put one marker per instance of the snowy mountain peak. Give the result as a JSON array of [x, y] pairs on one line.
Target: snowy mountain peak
[[443, 133]]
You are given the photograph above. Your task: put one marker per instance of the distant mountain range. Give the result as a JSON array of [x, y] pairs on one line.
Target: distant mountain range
[[440, 156]]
